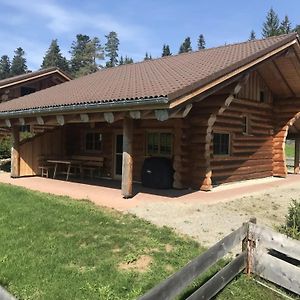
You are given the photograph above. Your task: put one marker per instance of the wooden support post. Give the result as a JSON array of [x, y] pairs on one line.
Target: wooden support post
[[15, 152], [296, 158], [127, 158], [248, 245]]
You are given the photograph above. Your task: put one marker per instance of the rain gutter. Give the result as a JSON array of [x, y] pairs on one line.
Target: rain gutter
[[123, 105]]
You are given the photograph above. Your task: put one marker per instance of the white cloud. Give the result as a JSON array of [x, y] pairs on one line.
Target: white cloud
[[60, 20], [56, 21]]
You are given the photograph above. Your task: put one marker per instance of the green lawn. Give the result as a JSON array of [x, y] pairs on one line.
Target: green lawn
[[289, 149], [57, 248]]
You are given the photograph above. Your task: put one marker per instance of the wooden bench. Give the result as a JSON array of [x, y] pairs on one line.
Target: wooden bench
[[44, 167], [88, 163]]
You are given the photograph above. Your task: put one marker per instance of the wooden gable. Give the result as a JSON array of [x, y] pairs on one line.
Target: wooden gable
[[255, 89]]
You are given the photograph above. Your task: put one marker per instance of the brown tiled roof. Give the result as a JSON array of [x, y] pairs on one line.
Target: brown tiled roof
[[168, 77], [30, 76]]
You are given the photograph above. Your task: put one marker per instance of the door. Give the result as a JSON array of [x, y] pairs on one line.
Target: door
[[118, 155]]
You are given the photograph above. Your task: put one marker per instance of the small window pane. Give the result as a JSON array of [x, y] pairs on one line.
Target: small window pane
[[153, 145], [159, 144], [93, 141], [221, 144], [245, 124], [165, 144]]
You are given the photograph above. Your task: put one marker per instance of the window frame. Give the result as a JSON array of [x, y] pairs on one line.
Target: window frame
[[159, 132], [229, 144], [85, 133], [248, 124]]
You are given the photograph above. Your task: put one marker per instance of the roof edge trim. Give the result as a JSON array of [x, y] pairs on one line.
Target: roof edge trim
[[123, 105], [36, 77]]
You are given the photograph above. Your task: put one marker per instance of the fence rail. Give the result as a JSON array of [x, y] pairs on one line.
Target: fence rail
[[268, 254], [176, 283], [276, 258]]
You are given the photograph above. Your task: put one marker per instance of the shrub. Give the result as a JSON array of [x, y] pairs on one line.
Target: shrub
[[5, 147], [292, 223]]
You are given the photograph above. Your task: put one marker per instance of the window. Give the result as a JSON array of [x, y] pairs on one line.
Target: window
[[159, 144], [221, 144], [93, 141], [263, 96], [246, 124]]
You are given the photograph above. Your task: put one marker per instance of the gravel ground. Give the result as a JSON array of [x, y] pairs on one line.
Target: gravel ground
[[208, 223]]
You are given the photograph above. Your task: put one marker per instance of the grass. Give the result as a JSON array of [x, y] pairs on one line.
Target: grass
[[289, 149], [57, 248]]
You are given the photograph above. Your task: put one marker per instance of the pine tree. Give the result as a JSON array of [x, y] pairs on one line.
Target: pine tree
[[121, 62], [285, 26], [297, 29], [54, 58], [252, 35], [4, 67], [148, 56], [186, 46], [18, 65], [111, 49], [94, 52], [271, 25], [201, 42], [166, 50], [85, 53], [128, 60]]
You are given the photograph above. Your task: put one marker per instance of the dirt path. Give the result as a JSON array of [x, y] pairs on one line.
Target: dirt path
[[207, 223]]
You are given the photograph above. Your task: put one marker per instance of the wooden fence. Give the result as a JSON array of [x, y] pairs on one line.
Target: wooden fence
[[270, 255]]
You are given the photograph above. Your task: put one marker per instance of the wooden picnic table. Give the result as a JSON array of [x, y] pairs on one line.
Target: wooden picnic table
[[67, 163]]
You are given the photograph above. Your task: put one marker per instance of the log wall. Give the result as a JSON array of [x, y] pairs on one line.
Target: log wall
[[250, 153], [286, 112]]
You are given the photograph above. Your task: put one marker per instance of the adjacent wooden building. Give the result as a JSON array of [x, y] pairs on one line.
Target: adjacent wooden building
[[220, 115]]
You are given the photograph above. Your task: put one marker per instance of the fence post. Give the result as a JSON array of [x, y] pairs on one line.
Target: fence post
[[248, 245]]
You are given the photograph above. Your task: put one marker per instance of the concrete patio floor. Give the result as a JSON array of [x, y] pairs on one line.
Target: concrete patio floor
[[107, 192]]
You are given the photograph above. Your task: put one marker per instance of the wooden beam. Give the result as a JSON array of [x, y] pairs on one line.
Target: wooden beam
[[8, 123], [84, 118], [127, 166], [135, 114], [22, 121], [161, 114], [296, 158], [40, 120], [15, 152], [109, 117], [186, 110], [60, 120]]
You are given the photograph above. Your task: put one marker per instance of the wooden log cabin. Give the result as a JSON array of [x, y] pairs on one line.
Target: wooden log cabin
[[219, 115]]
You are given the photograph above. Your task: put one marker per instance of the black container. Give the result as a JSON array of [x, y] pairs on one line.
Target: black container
[[157, 173]]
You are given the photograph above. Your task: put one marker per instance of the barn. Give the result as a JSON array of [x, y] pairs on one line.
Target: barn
[[217, 115]]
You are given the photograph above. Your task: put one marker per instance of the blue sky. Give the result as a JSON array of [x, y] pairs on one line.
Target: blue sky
[[141, 25]]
